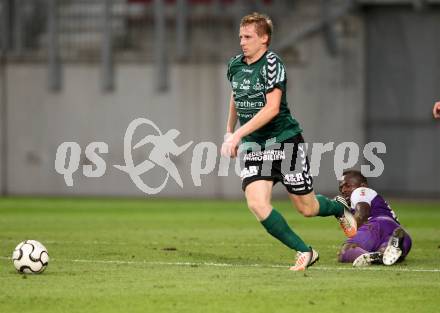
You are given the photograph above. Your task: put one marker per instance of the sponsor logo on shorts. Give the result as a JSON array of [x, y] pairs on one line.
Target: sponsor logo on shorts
[[294, 179], [249, 172], [267, 155]]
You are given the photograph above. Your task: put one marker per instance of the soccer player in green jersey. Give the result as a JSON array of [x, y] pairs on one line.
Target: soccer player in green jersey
[[258, 100]]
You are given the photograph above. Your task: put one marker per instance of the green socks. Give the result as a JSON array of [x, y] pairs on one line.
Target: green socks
[[276, 225], [329, 207]]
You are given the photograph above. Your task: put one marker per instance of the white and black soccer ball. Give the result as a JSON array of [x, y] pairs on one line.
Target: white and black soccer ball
[[30, 257]]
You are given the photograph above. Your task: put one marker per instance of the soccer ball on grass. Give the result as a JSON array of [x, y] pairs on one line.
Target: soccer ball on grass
[[30, 257]]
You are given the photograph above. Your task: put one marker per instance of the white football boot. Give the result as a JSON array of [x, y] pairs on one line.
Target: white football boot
[[367, 259], [304, 260], [393, 251]]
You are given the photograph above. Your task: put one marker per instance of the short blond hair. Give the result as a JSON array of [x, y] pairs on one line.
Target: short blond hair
[[263, 24]]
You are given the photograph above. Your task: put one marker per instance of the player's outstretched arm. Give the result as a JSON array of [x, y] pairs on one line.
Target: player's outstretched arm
[[436, 110]]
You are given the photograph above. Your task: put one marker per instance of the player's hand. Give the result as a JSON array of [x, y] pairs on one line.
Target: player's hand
[[436, 110], [225, 146], [230, 145]]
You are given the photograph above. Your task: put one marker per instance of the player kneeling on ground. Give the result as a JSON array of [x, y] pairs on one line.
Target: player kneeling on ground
[[380, 238]]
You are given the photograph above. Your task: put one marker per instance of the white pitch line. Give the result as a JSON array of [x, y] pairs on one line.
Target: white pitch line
[[374, 268], [314, 268]]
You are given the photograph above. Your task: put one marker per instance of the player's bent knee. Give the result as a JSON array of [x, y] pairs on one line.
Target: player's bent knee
[[306, 211], [343, 256], [307, 205], [260, 210]]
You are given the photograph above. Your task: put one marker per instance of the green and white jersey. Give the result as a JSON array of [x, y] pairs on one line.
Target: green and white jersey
[[250, 84]]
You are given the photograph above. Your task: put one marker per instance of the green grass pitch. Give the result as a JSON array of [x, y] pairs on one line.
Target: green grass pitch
[[143, 255]]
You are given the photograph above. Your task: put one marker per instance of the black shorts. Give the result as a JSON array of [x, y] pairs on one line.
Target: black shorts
[[286, 163]]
